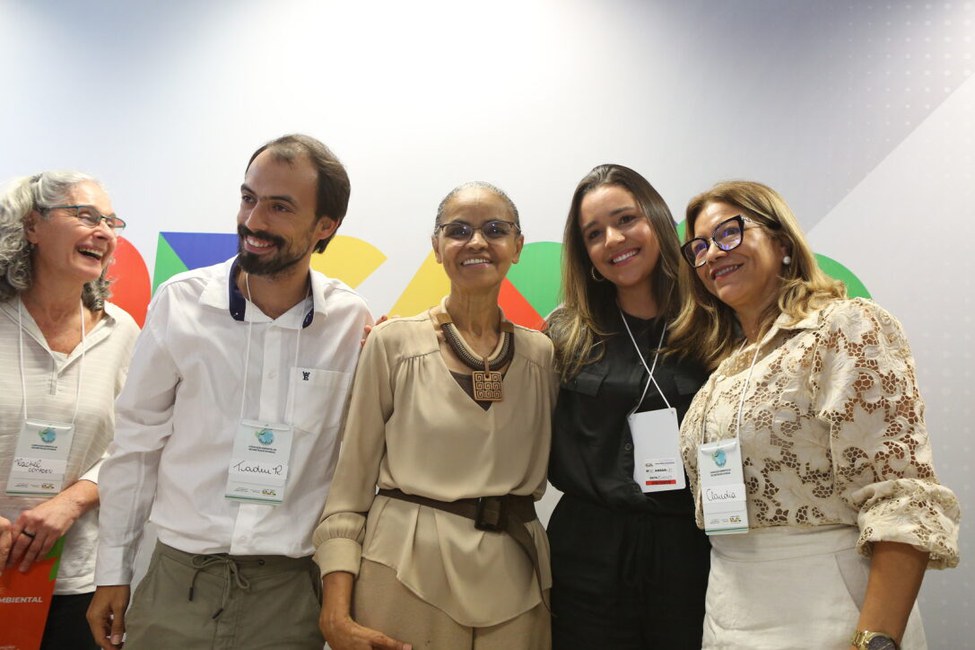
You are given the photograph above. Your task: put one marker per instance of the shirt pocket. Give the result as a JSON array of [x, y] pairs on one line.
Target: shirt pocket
[[588, 381], [318, 398]]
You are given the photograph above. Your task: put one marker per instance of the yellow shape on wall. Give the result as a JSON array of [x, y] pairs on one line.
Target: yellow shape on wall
[[425, 290], [348, 259]]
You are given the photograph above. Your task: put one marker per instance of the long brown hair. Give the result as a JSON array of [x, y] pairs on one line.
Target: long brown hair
[[588, 305]]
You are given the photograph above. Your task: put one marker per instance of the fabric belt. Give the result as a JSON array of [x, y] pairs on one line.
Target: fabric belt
[[507, 514]]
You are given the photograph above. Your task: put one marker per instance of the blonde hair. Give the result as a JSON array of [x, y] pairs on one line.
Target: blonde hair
[[589, 305], [708, 325]]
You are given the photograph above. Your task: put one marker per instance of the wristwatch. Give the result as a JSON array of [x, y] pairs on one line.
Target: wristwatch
[[867, 640]]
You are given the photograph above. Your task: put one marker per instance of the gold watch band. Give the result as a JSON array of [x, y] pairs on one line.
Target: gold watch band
[[863, 637]]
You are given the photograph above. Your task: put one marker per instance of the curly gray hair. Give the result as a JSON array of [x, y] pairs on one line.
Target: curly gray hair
[[21, 197]]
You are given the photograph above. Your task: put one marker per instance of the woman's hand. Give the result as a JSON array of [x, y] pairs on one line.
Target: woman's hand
[[338, 628], [6, 542], [896, 571], [36, 530], [346, 634]]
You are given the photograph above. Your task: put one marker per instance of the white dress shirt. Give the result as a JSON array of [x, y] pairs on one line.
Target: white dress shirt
[[188, 386]]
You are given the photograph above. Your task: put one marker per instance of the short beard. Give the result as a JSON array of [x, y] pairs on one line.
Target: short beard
[[257, 265]]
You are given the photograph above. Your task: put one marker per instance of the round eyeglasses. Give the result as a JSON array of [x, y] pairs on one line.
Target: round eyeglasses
[[726, 236], [492, 230], [88, 215]]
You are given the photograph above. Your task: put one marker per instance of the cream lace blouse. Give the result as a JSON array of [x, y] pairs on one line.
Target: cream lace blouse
[[832, 431]]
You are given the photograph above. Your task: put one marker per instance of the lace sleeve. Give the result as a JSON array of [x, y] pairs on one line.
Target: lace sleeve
[[865, 389]]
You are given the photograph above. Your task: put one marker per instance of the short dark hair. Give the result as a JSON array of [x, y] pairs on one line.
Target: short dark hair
[[333, 181], [479, 185]]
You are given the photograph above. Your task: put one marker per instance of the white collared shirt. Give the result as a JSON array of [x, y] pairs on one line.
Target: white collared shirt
[[181, 406]]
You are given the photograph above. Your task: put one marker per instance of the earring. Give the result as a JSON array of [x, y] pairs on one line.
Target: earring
[[787, 260], [596, 275]]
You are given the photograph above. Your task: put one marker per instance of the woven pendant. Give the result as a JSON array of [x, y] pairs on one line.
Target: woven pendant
[[488, 386], [488, 383]]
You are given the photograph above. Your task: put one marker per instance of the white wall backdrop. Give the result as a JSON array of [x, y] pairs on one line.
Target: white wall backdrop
[[860, 113]]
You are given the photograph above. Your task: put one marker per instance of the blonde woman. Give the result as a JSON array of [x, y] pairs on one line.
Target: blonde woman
[[806, 448]]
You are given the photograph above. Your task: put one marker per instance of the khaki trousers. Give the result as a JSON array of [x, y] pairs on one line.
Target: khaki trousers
[[221, 602], [382, 603]]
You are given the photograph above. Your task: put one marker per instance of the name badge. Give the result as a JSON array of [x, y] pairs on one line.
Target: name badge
[[259, 466], [723, 495], [657, 465], [41, 458]]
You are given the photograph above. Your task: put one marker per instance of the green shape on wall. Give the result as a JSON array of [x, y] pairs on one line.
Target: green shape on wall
[[538, 275], [832, 268], [168, 263]]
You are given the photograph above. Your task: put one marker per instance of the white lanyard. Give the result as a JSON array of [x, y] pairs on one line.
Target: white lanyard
[[650, 368], [744, 389], [723, 494], [655, 434], [81, 362], [247, 352]]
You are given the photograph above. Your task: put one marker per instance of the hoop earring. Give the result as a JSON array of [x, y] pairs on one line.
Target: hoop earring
[[787, 260], [596, 275]]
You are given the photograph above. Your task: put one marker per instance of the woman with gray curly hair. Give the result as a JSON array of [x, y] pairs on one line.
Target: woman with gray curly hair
[[66, 351]]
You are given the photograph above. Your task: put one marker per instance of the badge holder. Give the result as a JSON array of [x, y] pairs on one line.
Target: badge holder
[[724, 497], [657, 465], [41, 458], [723, 493], [259, 465], [258, 471]]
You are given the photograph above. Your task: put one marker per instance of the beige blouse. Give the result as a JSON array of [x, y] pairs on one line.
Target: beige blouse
[[832, 431], [411, 426]]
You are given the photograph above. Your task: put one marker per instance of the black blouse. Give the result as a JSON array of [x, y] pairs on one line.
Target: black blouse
[[592, 448]]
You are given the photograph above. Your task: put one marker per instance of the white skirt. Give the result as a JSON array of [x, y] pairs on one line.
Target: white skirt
[[786, 587]]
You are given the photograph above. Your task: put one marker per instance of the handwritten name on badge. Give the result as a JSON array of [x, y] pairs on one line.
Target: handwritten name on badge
[[258, 468], [724, 493], [27, 465]]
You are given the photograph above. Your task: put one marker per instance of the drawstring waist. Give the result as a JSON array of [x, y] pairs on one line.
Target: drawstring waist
[[234, 569]]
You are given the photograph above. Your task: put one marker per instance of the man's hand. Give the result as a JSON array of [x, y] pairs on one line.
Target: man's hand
[[368, 328], [106, 615]]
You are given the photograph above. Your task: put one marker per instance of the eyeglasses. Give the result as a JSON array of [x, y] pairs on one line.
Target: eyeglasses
[[726, 236], [89, 215], [492, 230]]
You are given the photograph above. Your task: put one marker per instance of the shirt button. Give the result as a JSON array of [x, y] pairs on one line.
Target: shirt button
[[628, 447]]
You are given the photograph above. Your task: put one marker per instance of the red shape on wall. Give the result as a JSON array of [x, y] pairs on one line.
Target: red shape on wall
[[517, 309], [131, 287]]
